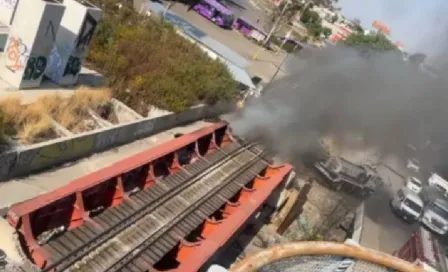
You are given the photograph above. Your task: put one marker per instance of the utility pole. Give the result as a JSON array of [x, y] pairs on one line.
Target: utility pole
[[299, 15], [274, 27], [271, 32], [170, 4]]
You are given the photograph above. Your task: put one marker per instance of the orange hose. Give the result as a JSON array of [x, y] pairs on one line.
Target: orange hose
[[279, 252]]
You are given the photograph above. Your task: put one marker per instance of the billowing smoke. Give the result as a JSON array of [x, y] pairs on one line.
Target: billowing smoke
[[340, 92]]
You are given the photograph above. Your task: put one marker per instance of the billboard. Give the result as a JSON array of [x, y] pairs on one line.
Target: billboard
[[381, 27]]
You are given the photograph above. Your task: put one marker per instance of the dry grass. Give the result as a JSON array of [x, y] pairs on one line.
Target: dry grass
[[32, 123], [73, 112], [92, 98], [29, 123]]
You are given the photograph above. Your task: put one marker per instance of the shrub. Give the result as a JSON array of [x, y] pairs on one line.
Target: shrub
[[32, 123], [147, 63], [73, 112], [29, 123]]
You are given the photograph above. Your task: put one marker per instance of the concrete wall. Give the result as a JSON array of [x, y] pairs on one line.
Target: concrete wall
[[124, 113], [29, 43], [72, 41], [358, 223], [49, 154]]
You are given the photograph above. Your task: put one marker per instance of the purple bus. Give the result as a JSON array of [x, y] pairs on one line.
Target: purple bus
[[249, 30], [216, 12]]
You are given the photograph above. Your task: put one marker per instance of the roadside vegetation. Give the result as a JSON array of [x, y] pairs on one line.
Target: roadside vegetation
[[33, 123], [283, 16], [147, 63], [374, 41], [73, 112]]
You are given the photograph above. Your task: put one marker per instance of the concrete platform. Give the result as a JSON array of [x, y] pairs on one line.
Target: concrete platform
[[87, 77], [7, 243], [19, 190]]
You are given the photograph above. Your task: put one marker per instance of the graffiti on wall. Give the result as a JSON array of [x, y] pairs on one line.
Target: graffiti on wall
[[86, 34], [109, 138], [73, 66], [16, 54], [9, 4], [144, 129], [50, 31], [7, 161], [48, 155], [55, 67], [35, 68]]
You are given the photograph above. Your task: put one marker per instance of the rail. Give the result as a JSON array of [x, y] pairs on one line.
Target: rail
[[76, 245], [126, 261]]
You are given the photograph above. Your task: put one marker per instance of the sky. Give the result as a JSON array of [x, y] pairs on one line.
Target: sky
[[419, 24]]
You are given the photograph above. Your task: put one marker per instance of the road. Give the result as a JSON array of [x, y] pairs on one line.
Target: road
[[267, 62], [246, 10], [382, 229]]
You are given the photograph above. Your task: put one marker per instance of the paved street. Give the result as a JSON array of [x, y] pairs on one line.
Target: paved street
[[246, 10], [266, 64], [382, 229]]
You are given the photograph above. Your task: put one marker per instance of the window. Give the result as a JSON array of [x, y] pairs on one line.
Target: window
[[414, 206], [439, 210], [3, 39], [442, 189], [415, 182]]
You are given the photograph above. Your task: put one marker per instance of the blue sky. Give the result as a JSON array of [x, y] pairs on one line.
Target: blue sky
[[417, 23]]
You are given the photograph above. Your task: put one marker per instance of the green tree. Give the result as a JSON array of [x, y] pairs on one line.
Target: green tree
[[376, 41], [310, 17], [279, 17], [147, 63], [334, 19], [282, 15], [327, 32], [313, 23], [356, 25]]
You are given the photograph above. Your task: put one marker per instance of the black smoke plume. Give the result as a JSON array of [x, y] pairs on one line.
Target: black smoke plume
[[338, 91]]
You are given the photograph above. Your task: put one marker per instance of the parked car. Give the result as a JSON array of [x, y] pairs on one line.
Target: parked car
[[407, 204], [438, 182], [414, 184], [413, 165]]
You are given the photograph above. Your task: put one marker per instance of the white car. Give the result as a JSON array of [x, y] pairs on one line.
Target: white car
[[438, 182], [414, 184], [413, 165]]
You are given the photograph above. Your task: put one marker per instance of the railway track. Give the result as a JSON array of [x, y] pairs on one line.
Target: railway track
[[136, 234]]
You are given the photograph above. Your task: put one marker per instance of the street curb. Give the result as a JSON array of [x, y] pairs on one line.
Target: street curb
[[358, 223], [393, 170]]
